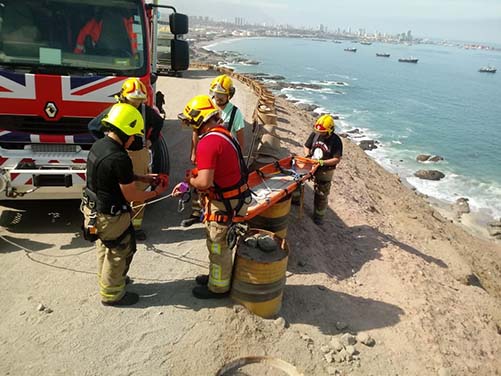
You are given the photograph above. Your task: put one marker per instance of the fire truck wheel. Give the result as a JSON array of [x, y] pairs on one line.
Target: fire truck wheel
[[161, 161]]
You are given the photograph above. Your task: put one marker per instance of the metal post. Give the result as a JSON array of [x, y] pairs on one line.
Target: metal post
[[256, 129]]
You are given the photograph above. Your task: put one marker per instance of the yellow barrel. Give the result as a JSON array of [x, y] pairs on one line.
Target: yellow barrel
[[259, 277], [274, 219]]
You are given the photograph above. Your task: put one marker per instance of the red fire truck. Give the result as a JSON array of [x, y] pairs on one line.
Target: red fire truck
[[62, 62]]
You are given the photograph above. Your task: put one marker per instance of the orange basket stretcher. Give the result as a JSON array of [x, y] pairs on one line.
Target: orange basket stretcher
[[272, 182]]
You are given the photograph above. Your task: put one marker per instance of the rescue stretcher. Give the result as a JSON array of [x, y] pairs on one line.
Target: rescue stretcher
[[272, 182]]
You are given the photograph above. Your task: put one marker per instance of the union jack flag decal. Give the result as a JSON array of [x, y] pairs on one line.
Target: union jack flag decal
[[28, 94]]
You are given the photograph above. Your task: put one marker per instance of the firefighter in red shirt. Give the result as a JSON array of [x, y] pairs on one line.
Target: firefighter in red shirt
[[221, 177]]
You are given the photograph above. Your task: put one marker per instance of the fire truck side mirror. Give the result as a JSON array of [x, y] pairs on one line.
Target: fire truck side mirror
[[178, 23], [153, 78], [180, 55]]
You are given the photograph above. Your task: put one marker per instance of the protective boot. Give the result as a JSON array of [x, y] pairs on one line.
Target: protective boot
[[202, 279], [203, 292], [140, 235], [319, 221], [190, 221], [130, 298]]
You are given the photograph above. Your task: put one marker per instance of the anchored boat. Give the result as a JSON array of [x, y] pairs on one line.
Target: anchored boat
[[488, 69], [382, 54], [408, 60], [350, 49]]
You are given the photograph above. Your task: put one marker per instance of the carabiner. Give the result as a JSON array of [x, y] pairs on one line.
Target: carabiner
[[185, 197]]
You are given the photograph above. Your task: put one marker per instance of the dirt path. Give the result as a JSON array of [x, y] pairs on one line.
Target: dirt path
[[385, 264]]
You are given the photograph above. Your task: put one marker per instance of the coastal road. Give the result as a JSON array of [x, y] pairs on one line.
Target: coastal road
[[54, 224], [45, 261]]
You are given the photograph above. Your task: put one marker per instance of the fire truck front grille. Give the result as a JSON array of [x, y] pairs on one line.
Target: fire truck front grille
[[55, 148], [38, 125]]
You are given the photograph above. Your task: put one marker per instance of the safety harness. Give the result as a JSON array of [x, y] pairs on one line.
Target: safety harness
[[239, 191], [90, 197], [232, 117], [97, 205]]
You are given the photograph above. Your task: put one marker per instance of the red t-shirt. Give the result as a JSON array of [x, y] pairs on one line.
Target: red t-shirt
[[216, 152]]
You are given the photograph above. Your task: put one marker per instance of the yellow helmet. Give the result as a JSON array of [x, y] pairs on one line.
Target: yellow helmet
[[126, 118], [133, 88], [198, 111], [222, 85], [324, 124]]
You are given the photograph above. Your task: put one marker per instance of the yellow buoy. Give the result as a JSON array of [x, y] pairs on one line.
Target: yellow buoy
[[274, 219], [259, 277]]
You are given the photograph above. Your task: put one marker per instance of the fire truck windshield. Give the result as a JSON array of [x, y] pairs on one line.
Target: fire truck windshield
[[92, 35]]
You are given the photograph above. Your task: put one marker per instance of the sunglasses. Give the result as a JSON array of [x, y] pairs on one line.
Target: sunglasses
[[220, 95]]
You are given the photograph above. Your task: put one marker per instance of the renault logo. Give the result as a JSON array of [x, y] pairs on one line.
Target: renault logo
[[51, 109]]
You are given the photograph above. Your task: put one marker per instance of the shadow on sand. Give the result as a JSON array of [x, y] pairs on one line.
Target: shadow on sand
[[336, 249], [312, 305]]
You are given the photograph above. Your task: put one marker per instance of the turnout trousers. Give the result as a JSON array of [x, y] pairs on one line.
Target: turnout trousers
[[220, 255], [141, 166], [322, 187], [115, 249]]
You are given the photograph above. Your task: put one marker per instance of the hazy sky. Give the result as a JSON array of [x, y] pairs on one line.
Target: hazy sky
[[475, 20]]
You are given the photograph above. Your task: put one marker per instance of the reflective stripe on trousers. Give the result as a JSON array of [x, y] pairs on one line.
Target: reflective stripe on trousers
[[220, 256], [322, 187]]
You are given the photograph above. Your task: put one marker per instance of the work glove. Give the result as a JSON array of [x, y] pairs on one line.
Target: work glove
[[160, 183]]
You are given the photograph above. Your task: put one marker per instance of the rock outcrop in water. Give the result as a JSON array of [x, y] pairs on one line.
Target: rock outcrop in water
[[368, 145], [429, 174], [429, 158]]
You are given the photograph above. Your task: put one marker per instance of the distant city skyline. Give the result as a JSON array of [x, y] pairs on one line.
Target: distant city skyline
[[468, 20]]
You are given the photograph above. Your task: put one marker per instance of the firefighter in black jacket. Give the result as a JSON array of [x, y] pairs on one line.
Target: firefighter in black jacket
[[109, 190], [326, 147], [134, 92]]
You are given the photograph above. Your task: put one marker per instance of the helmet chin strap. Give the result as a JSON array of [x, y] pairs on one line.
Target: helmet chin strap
[[203, 129]]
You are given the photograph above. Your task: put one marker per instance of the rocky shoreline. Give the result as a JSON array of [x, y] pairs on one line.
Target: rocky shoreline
[[478, 224]]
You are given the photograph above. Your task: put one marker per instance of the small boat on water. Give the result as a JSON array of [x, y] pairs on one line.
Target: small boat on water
[[365, 43], [488, 69], [337, 41], [350, 49], [382, 54], [408, 60]]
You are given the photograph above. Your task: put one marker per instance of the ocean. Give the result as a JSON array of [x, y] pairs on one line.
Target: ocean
[[440, 106]]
